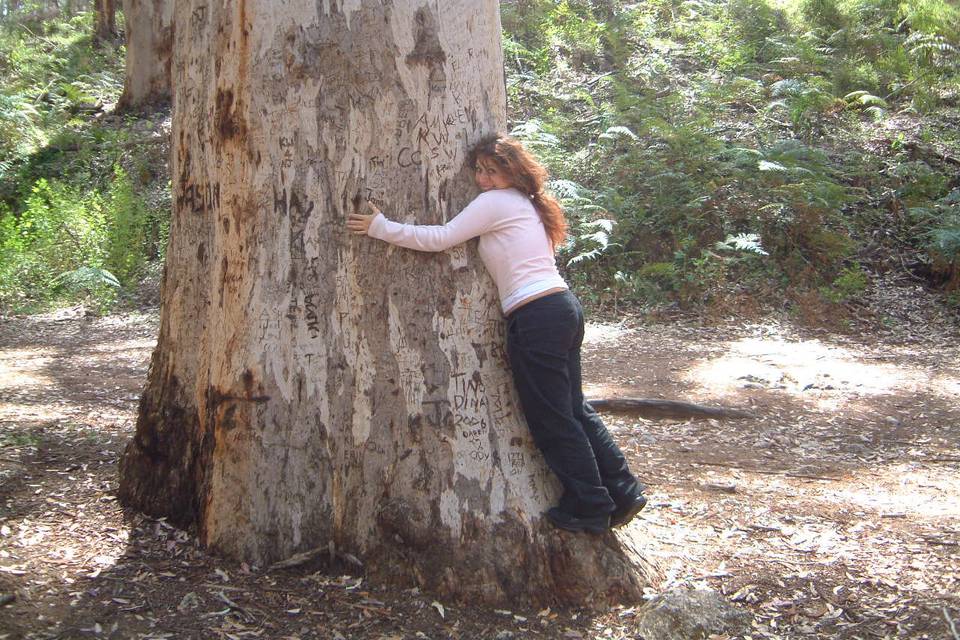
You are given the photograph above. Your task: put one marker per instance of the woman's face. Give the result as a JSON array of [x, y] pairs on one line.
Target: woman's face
[[490, 175]]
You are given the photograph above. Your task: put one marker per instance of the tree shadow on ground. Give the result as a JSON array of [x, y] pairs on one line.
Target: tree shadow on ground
[[831, 513], [823, 518]]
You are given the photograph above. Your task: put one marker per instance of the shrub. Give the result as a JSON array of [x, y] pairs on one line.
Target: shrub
[[851, 282]]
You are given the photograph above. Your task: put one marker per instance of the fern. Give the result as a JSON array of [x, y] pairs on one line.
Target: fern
[[789, 87], [865, 99], [87, 278], [945, 238], [747, 242], [566, 189], [946, 242], [598, 241], [766, 165], [532, 133], [615, 133]]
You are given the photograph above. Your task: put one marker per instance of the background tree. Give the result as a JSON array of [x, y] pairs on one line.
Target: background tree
[[148, 29], [105, 20], [9, 7], [311, 389]]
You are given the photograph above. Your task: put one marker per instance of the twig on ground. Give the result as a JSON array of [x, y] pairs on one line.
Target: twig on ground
[[249, 617], [940, 541], [298, 559], [953, 627]]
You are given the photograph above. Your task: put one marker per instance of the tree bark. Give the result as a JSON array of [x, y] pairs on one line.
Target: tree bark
[[105, 20], [149, 35], [310, 388]]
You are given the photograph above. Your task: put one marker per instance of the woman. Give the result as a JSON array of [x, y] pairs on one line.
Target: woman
[[520, 227]]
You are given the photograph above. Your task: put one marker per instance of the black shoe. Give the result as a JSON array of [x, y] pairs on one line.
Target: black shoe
[[563, 520], [627, 512]]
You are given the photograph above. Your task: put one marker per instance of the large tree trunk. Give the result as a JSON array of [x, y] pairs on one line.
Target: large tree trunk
[[311, 388], [105, 20], [149, 35]]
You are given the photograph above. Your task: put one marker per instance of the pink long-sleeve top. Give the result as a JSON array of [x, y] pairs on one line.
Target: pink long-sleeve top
[[513, 244]]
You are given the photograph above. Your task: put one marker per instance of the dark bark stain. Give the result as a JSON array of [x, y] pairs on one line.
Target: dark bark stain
[[216, 397], [164, 52], [224, 266], [163, 470], [428, 51], [229, 123], [399, 518]]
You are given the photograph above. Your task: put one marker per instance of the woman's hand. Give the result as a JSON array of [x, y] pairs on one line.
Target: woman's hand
[[358, 223]]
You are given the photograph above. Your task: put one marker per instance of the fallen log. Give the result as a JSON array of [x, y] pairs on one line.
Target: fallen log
[[676, 409]]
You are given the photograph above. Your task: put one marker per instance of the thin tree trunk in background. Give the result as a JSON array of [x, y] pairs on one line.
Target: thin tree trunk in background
[[105, 22], [149, 35], [313, 389]]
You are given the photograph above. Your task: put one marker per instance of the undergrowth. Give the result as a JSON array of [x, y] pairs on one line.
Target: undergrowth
[[77, 219], [743, 153], [724, 155]]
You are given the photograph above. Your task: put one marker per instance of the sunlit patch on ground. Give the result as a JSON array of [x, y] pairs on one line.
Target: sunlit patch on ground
[[902, 490], [601, 333], [20, 369], [828, 375]]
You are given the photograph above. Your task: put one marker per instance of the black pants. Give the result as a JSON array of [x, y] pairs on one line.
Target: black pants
[[543, 342]]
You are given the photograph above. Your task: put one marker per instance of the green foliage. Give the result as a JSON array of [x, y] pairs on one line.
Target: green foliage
[[851, 282], [918, 183], [59, 229], [93, 283], [124, 245], [943, 242], [48, 75], [705, 150], [74, 223], [17, 438], [70, 243], [721, 148], [824, 15]]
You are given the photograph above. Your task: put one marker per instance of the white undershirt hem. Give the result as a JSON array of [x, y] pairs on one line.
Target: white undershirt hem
[[529, 290]]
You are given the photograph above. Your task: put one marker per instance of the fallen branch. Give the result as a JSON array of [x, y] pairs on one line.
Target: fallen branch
[[655, 408], [805, 476]]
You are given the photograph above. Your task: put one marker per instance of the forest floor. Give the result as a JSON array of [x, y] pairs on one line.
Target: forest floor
[[831, 514]]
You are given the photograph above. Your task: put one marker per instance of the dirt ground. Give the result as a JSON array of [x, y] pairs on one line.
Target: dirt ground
[[833, 513]]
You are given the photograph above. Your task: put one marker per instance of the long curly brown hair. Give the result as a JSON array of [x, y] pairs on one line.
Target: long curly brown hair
[[526, 175]]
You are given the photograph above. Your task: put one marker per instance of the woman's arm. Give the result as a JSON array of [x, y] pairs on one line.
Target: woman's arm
[[474, 220]]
